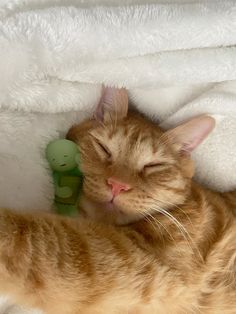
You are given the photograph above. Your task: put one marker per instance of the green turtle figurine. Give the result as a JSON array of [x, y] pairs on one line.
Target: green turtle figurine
[[63, 157]]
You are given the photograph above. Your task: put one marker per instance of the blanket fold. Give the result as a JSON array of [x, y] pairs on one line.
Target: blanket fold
[[53, 48]]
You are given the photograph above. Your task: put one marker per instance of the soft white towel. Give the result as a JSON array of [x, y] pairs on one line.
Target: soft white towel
[[176, 57], [216, 157], [49, 48]]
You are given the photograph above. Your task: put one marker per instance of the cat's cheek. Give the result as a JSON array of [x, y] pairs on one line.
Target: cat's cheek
[[98, 198], [96, 194]]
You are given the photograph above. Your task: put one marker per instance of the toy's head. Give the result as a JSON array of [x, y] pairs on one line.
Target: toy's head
[[61, 155]]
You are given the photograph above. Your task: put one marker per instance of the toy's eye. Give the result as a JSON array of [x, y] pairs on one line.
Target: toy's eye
[[53, 159], [65, 155]]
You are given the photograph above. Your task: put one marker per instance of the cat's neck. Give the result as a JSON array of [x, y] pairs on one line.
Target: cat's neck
[[195, 225]]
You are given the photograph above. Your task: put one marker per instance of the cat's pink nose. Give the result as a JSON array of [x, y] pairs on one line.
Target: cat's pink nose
[[117, 186]]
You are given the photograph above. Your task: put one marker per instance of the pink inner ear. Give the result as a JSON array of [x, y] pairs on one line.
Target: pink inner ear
[[99, 111], [114, 101], [190, 134]]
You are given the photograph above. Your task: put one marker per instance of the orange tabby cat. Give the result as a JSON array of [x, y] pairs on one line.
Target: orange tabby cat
[[155, 242]]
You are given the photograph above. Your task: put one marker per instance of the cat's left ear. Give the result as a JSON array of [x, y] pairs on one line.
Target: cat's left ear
[[187, 136], [113, 105]]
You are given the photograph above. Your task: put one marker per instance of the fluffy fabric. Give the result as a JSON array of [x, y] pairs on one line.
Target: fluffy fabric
[[173, 56], [215, 158]]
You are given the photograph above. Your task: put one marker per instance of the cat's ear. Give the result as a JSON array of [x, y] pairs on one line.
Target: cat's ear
[[113, 105], [187, 136]]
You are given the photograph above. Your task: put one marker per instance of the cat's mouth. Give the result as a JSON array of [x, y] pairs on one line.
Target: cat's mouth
[[111, 206], [111, 211]]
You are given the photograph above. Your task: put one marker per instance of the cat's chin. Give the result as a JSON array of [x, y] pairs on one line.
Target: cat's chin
[[106, 212]]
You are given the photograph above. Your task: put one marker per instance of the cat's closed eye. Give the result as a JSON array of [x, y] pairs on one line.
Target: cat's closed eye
[[102, 149], [154, 166]]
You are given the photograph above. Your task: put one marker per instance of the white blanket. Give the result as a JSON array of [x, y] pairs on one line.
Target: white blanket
[[176, 58]]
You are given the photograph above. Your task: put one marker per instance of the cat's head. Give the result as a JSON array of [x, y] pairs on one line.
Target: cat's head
[[131, 167]]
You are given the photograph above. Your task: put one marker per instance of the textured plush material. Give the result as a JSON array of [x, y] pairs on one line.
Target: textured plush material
[[177, 58]]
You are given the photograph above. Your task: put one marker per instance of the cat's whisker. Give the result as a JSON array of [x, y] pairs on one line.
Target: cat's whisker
[[176, 222], [155, 223], [178, 225], [163, 210], [158, 222], [173, 205], [181, 228], [179, 208], [146, 217], [166, 230]]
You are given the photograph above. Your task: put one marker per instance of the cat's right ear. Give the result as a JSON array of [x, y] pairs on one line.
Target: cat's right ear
[[187, 136], [113, 105]]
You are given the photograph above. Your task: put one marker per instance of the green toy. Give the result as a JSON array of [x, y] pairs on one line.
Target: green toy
[[63, 157]]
